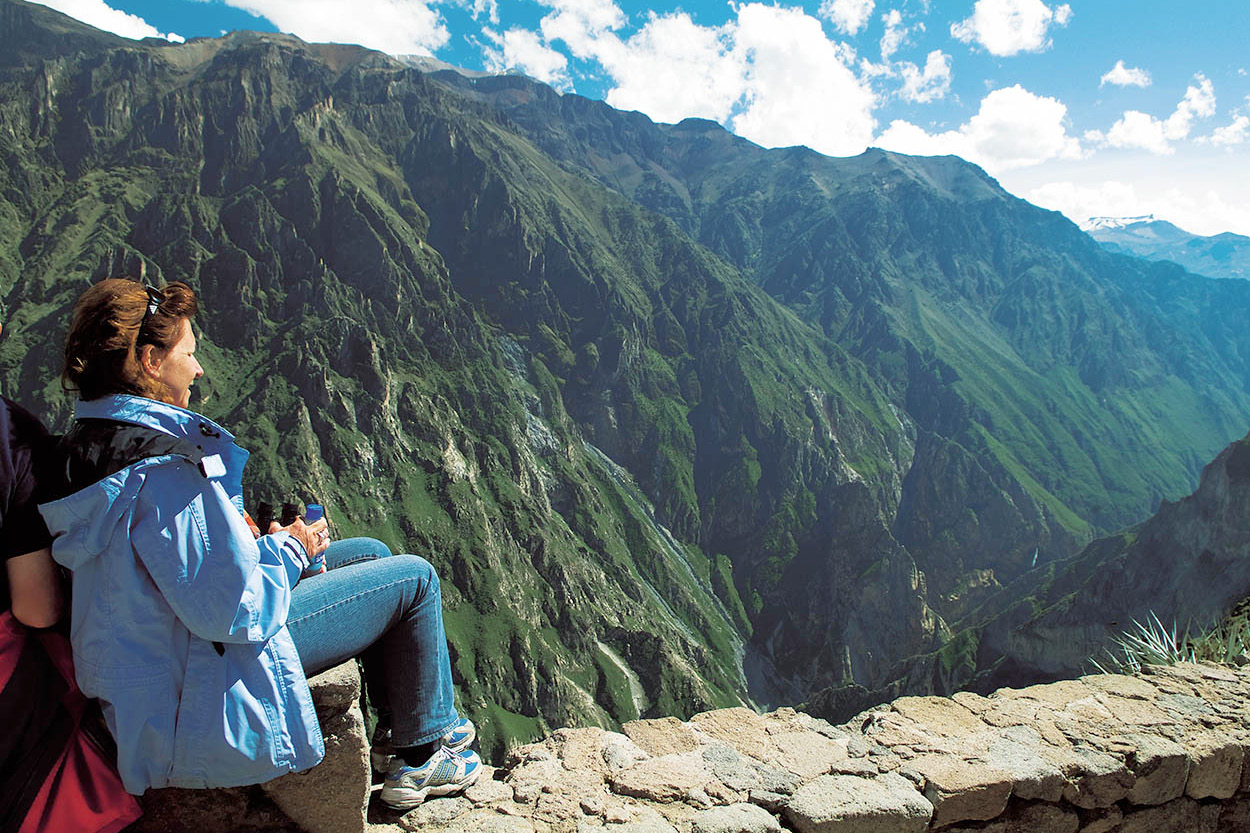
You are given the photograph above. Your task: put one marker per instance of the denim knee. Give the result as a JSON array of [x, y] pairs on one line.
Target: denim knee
[[421, 570]]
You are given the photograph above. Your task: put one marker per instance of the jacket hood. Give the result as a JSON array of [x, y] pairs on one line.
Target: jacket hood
[[83, 523]]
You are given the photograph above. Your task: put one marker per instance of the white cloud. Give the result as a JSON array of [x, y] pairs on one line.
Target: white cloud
[[799, 88], [585, 26], [399, 27], [1231, 134], [673, 68], [895, 33], [849, 16], [1199, 102], [930, 84], [1202, 210], [1008, 27], [490, 8], [103, 16], [1013, 128], [523, 50], [1136, 129], [770, 74], [1123, 76]]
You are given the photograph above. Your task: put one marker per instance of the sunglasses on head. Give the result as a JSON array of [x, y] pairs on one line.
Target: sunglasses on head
[[155, 298]]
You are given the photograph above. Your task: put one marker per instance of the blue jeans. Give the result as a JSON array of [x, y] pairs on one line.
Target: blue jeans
[[387, 609]]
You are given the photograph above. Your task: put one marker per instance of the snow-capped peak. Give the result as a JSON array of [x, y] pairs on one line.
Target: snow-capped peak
[[1116, 222]]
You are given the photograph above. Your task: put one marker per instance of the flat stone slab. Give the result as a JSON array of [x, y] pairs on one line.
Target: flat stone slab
[[847, 804], [736, 818]]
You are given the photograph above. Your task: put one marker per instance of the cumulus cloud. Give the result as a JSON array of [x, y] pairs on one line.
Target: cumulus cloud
[[1231, 134], [929, 84], [586, 27], [799, 87], [1136, 129], [895, 33], [523, 50], [673, 68], [1123, 76], [770, 74], [399, 27], [1008, 27], [849, 16], [99, 14], [1013, 128]]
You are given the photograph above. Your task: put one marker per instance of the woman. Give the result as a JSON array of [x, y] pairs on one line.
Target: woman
[[191, 630]]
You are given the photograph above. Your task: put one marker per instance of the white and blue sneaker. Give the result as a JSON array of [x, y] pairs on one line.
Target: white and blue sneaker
[[445, 773], [458, 738]]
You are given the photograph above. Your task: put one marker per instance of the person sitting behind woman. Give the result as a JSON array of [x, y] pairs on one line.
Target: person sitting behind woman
[[196, 635]]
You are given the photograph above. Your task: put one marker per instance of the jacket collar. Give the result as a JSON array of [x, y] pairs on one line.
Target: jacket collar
[[139, 410]]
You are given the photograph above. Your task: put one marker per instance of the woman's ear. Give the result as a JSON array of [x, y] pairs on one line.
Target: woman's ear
[[150, 359]]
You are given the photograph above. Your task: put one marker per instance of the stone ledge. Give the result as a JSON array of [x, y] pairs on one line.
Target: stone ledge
[[331, 797], [1160, 753]]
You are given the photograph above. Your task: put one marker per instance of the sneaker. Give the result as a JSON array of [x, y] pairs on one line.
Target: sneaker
[[461, 735], [458, 738], [445, 773]]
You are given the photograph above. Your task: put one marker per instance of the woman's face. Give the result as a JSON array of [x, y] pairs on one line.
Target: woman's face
[[175, 368]]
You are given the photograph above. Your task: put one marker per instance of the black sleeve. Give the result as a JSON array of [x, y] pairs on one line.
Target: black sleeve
[[26, 446]]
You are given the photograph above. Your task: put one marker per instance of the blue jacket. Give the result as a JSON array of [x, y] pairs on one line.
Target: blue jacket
[[178, 620]]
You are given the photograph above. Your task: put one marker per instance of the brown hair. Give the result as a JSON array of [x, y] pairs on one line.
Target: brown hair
[[111, 322]]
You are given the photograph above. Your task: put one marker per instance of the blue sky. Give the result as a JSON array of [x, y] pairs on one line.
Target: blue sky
[[1090, 107]]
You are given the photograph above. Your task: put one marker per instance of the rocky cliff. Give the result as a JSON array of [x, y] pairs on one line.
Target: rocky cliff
[[1188, 565]]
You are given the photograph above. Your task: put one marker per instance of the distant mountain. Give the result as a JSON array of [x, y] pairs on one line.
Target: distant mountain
[[1224, 255], [684, 422]]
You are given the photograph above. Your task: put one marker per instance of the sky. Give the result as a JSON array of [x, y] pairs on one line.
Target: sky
[[1089, 107]]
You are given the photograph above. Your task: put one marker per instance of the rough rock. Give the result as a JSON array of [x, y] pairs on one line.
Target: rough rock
[[1041, 818], [740, 728], [962, 790], [1161, 767], [1217, 765], [1095, 779], [846, 804], [662, 736], [329, 798], [333, 796], [1022, 753], [668, 778], [736, 818], [1091, 756]]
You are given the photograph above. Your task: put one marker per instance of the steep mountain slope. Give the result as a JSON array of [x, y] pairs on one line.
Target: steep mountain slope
[[681, 421], [1189, 564], [1048, 403], [1224, 255]]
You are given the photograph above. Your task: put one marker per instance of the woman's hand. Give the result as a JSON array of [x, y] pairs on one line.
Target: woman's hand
[[314, 537]]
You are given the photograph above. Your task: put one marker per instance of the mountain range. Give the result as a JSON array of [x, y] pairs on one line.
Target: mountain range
[[1224, 255], [683, 422]]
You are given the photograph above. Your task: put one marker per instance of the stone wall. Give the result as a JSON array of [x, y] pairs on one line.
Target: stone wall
[[1103, 754], [1157, 753]]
